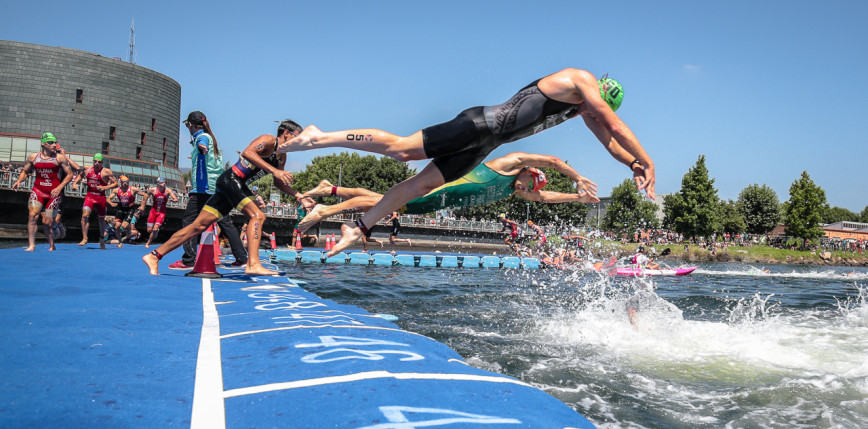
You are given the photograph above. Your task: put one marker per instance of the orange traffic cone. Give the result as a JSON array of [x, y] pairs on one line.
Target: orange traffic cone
[[218, 253], [273, 242], [298, 241], [205, 266]]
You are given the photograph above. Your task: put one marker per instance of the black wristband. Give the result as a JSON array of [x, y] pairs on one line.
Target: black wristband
[[635, 161]]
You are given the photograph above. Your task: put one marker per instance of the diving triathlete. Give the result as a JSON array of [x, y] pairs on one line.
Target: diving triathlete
[[515, 173], [461, 144]]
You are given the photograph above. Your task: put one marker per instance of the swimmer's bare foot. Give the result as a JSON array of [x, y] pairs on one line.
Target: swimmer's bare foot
[[83, 241], [409, 243], [102, 244], [52, 247], [349, 234], [306, 140], [311, 219], [258, 270], [30, 248], [120, 245], [153, 264], [324, 189]]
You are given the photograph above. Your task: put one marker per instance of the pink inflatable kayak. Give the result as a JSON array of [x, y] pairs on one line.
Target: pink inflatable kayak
[[640, 272]]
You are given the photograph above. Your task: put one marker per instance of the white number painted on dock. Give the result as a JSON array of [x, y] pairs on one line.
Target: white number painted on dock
[[345, 353], [399, 418], [313, 317]]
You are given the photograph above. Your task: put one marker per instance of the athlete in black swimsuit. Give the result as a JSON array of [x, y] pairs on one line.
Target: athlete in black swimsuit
[[258, 159], [461, 144]]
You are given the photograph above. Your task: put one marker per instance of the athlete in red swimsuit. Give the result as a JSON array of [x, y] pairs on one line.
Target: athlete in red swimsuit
[[47, 190], [99, 180], [126, 208], [160, 194]]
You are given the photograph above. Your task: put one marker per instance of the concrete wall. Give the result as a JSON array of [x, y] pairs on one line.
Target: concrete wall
[[38, 91]]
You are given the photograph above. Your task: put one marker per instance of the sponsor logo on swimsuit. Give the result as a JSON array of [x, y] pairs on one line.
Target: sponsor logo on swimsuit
[[506, 114], [551, 121]]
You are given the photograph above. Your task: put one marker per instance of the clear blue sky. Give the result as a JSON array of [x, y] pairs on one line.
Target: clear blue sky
[[764, 89]]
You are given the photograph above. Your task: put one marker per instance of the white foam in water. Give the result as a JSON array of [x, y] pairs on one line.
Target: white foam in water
[[804, 358], [819, 273]]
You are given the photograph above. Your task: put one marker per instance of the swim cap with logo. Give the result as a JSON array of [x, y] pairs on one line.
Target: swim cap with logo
[[611, 91], [48, 137], [539, 179], [97, 157]]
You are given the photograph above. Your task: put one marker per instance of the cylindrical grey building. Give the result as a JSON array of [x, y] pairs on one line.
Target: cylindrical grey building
[[92, 104]]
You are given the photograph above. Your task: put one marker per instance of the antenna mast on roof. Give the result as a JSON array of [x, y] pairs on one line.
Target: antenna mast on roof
[[132, 57]]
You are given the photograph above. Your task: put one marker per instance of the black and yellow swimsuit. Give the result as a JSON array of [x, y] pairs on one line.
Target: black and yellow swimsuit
[[232, 189]]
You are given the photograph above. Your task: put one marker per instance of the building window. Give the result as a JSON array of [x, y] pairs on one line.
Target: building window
[[138, 153], [153, 124], [165, 145], [112, 133], [79, 95], [105, 148], [142, 142], [164, 158]]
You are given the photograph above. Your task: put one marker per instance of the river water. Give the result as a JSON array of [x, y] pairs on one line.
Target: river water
[[727, 346]]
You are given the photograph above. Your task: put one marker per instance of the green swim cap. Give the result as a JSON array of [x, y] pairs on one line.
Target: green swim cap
[[48, 137], [611, 91], [97, 157]]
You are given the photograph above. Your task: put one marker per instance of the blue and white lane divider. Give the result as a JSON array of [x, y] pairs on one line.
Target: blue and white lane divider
[[406, 260], [291, 359]]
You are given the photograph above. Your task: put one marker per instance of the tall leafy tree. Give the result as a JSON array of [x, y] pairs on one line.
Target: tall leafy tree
[[760, 208], [804, 209], [864, 215], [357, 171], [693, 211], [731, 219], [838, 214], [629, 211]]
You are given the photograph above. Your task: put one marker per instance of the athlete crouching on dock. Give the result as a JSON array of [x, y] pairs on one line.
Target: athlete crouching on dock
[[514, 173], [257, 160]]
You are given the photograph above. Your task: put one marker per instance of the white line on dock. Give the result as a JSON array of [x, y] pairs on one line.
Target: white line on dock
[[371, 375], [208, 408]]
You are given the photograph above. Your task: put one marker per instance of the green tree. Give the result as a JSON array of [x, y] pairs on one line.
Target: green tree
[[628, 211], [804, 209], [517, 208], [266, 187], [731, 219], [357, 171], [760, 208], [693, 211], [864, 214], [838, 214]]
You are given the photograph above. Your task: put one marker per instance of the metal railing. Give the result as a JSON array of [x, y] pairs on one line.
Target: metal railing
[[7, 178]]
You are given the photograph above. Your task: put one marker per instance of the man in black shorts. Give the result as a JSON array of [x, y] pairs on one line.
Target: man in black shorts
[[257, 160], [396, 228], [127, 210], [461, 144]]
